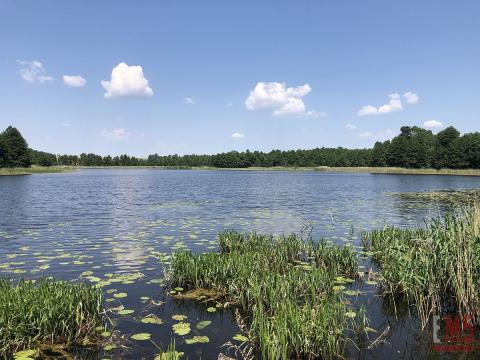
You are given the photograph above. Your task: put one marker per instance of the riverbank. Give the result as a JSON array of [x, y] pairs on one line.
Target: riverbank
[[35, 170], [371, 170]]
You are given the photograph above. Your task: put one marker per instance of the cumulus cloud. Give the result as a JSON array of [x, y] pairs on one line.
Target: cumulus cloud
[[74, 80], [66, 124], [127, 81], [237, 135], [432, 124], [351, 126], [381, 135], [188, 100], [394, 104], [410, 97], [115, 134], [33, 71], [280, 99]]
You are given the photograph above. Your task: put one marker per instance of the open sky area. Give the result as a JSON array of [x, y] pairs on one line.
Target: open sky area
[[178, 76]]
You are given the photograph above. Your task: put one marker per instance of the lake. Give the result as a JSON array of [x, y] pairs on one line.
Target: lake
[[119, 226]]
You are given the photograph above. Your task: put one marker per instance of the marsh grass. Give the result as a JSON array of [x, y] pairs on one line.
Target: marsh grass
[[35, 170], [434, 265], [452, 197], [46, 311], [283, 285]]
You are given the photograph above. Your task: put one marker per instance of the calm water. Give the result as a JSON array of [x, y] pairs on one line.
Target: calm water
[[113, 225]]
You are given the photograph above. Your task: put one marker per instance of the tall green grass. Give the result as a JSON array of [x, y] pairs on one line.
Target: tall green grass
[[433, 265], [46, 311], [285, 287]]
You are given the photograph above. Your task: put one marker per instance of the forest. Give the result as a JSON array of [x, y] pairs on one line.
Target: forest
[[413, 147]]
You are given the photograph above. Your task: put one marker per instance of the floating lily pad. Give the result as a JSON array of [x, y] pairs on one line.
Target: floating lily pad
[[141, 336], [152, 319], [25, 355], [179, 317], [197, 339], [125, 312], [211, 309], [106, 334], [203, 324], [181, 328], [120, 295], [240, 337]]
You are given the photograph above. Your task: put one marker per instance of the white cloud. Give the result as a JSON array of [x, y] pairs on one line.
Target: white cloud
[[410, 97], [432, 124], [237, 135], [127, 81], [66, 124], [280, 99], [366, 135], [188, 101], [74, 80], [381, 135], [115, 134], [394, 104], [351, 126], [33, 71], [228, 104]]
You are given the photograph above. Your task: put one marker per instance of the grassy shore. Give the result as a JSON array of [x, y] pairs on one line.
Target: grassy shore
[[35, 170], [327, 169], [290, 290], [432, 266], [371, 170], [46, 312]]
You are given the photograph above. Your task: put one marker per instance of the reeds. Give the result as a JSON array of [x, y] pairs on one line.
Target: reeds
[[433, 265], [284, 285], [46, 311]]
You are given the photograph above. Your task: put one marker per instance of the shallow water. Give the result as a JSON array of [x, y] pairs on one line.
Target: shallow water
[[116, 223]]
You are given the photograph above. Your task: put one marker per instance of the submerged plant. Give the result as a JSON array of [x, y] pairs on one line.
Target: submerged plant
[[433, 265], [46, 311], [283, 284]]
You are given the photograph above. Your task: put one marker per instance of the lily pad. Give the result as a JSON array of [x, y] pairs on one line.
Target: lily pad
[[240, 337], [125, 312], [120, 295], [197, 339], [179, 317], [181, 328], [211, 309], [152, 319], [141, 336], [203, 324], [25, 355]]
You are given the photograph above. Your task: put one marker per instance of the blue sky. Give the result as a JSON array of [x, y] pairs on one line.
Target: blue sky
[[211, 76]]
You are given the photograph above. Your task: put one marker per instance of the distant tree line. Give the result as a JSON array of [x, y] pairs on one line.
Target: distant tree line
[[414, 147]]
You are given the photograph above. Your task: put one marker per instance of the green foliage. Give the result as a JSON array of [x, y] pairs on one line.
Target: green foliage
[[46, 311], [413, 148], [284, 284], [433, 265], [13, 149]]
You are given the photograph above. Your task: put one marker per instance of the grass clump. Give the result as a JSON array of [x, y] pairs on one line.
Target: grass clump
[[432, 266], [46, 311], [283, 285]]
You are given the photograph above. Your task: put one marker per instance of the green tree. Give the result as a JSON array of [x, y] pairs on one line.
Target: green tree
[[15, 148]]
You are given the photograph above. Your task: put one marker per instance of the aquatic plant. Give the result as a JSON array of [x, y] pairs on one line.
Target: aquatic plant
[[46, 311], [284, 285], [432, 265]]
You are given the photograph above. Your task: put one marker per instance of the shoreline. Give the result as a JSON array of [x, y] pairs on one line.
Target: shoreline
[[326, 169]]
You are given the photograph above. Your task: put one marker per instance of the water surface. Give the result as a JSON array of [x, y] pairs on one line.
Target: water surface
[[114, 225]]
